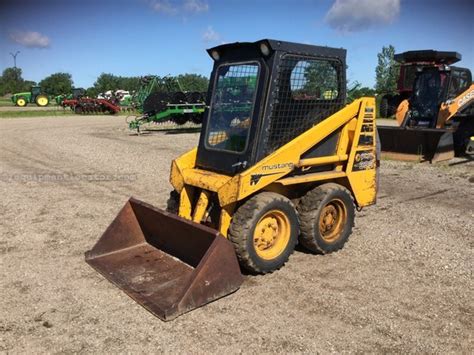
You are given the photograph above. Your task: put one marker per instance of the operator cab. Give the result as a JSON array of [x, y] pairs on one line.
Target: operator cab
[[432, 86], [35, 91], [264, 94], [77, 93]]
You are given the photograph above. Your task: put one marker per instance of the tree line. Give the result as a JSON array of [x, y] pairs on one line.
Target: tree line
[[11, 81]]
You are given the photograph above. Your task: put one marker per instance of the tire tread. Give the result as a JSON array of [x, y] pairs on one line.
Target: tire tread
[[242, 225], [310, 203]]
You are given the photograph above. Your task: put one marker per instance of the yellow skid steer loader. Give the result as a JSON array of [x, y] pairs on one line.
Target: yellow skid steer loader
[[437, 121], [280, 159]]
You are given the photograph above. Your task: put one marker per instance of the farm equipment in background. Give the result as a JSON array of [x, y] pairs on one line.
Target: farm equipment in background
[[278, 160], [437, 121], [36, 95], [81, 104], [122, 97], [87, 105], [158, 101], [411, 62], [74, 95], [147, 84]]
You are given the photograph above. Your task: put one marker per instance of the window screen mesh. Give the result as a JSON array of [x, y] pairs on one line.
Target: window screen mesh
[[307, 91]]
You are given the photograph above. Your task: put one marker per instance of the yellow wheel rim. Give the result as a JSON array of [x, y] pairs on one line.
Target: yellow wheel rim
[[271, 234], [332, 220], [21, 102], [42, 101]]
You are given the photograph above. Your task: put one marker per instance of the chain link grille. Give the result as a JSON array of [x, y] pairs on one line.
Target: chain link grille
[[307, 91]]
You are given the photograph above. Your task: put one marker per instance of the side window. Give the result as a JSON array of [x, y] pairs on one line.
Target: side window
[[308, 90], [409, 79], [313, 79], [459, 83]]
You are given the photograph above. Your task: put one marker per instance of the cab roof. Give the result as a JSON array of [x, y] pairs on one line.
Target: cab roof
[[282, 46], [428, 55]]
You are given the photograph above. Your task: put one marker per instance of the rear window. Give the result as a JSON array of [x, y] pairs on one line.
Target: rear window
[[313, 79]]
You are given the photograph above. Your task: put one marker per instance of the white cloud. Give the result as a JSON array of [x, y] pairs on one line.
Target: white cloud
[[360, 15], [195, 6], [169, 7], [30, 39], [210, 35], [164, 6]]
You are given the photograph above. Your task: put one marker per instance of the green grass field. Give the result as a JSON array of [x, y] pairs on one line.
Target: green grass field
[[5, 102], [54, 111]]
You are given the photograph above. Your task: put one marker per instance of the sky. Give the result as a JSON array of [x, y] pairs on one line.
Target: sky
[[139, 37]]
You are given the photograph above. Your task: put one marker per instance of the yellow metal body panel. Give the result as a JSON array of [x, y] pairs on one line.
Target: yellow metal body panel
[[447, 109], [402, 111], [363, 182], [225, 219], [450, 108], [354, 163], [185, 161], [185, 202], [183, 172], [323, 160], [201, 206], [307, 178]]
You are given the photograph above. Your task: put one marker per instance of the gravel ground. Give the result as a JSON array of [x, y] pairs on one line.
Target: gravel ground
[[403, 283], [30, 107]]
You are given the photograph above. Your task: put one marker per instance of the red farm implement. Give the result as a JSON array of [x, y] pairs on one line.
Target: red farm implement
[[85, 105]]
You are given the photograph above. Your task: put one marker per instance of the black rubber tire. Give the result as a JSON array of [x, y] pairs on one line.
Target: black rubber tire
[[194, 97], [179, 119], [393, 102], [204, 97], [310, 208], [178, 97], [78, 110], [462, 136], [197, 118], [172, 205], [384, 106], [156, 102], [243, 225]]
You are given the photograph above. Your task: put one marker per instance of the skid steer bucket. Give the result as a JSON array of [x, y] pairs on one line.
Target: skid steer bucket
[[167, 264], [416, 144]]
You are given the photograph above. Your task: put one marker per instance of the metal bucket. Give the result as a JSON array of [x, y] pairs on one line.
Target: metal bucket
[[167, 264], [416, 144]]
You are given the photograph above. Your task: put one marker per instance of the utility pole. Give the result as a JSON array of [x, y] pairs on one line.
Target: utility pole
[[14, 57]]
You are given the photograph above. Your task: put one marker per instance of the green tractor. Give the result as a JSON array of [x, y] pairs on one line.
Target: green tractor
[[74, 95], [36, 96]]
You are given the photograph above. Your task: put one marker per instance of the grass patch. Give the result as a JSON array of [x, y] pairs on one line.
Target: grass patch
[[34, 113], [6, 102]]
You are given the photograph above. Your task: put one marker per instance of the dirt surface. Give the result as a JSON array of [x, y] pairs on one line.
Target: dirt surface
[[403, 283], [30, 107], [386, 122]]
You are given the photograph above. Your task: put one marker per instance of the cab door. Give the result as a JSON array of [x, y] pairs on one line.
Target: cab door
[[228, 134]]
